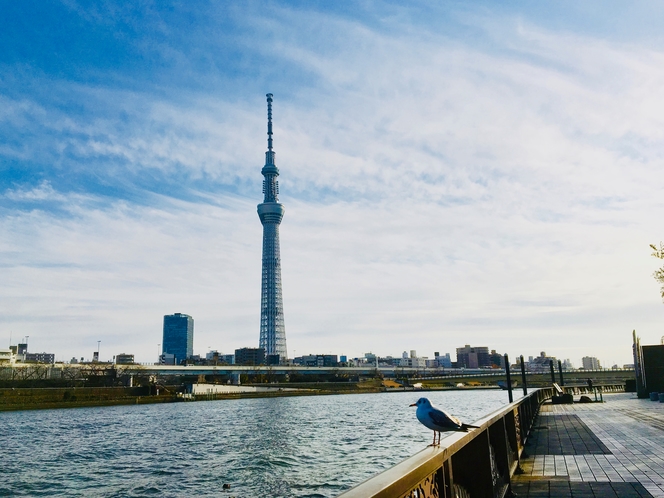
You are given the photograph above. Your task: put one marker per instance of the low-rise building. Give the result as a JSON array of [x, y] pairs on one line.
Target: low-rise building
[[413, 362], [216, 358], [7, 357], [212, 355], [317, 360], [40, 357], [444, 361], [275, 359], [389, 361], [497, 360], [167, 359], [124, 359], [590, 363], [473, 357], [250, 356], [542, 363]]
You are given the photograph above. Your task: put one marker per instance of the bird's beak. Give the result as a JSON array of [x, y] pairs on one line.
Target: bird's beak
[[414, 404]]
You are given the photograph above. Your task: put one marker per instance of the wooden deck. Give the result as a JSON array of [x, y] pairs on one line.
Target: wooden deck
[[603, 450]]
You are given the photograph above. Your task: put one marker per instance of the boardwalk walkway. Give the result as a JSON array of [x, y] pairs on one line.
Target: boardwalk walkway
[[611, 449]]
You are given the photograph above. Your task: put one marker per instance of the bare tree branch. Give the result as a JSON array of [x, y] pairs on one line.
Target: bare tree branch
[[659, 274]]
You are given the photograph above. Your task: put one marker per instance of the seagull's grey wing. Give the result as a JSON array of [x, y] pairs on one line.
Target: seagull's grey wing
[[442, 419]]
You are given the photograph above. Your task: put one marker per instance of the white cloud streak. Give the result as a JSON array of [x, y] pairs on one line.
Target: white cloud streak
[[438, 193]]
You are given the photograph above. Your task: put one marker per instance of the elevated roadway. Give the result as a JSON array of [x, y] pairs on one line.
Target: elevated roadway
[[455, 375]]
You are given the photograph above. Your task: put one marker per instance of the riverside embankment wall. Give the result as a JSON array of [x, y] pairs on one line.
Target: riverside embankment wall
[[71, 397]]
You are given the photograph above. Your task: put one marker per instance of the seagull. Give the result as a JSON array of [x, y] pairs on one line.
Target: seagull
[[437, 420]]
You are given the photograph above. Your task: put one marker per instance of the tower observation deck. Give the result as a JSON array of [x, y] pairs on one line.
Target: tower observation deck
[[270, 212]]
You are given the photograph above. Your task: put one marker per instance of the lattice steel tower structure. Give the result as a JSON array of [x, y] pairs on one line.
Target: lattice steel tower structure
[[270, 211]]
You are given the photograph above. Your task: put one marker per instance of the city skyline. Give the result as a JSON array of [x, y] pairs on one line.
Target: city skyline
[[178, 343], [457, 174]]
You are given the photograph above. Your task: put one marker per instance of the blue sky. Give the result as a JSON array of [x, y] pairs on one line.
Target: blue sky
[[453, 173]]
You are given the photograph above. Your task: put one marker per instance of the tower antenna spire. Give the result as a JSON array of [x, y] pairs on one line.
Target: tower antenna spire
[[271, 212], [269, 122]]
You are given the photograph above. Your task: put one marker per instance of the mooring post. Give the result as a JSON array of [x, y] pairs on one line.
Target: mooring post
[[508, 378], [553, 374], [560, 373], [523, 376]]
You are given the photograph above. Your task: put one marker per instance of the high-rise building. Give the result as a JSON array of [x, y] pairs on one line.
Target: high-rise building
[[270, 212], [178, 336]]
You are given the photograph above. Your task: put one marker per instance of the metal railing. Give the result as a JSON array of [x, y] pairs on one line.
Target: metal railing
[[597, 390], [478, 463]]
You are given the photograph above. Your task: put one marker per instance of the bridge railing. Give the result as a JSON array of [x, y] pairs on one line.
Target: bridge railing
[[476, 463]]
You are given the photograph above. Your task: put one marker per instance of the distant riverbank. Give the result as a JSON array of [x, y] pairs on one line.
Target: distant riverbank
[[14, 399]]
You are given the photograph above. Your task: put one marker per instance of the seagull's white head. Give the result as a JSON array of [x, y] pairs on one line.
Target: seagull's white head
[[422, 402]]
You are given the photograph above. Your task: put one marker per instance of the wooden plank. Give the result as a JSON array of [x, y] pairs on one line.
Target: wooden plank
[[606, 449]]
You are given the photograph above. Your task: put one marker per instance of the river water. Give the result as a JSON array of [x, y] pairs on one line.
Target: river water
[[314, 446]]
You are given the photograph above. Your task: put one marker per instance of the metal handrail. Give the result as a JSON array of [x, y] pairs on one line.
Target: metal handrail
[[477, 463]]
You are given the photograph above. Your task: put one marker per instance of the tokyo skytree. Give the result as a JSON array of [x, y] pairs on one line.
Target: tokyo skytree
[[270, 211]]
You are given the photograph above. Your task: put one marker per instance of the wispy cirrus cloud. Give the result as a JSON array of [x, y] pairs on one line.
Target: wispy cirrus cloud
[[440, 188]]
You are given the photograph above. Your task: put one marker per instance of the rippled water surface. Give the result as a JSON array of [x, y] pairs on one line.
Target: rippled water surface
[[300, 446]]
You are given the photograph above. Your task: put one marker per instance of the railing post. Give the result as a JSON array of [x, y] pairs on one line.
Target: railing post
[[508, 378], [523, 377], [553, 374], [560, 373]]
